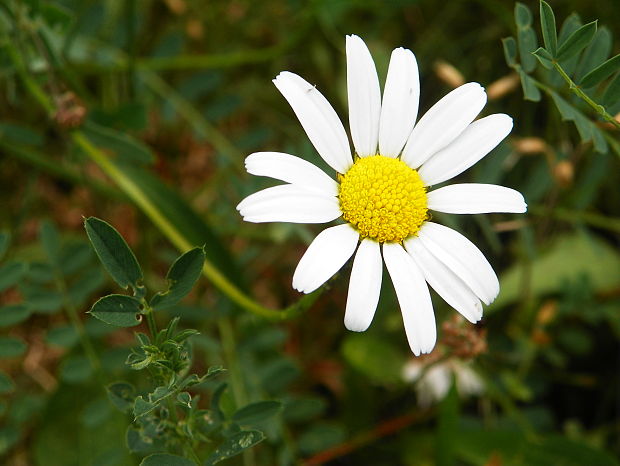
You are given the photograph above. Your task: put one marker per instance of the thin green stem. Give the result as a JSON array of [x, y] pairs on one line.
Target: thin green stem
[[136, 194], [150, 319], [582, 95]]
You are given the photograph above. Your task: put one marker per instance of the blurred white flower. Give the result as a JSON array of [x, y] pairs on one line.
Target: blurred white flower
[[381, 192], [433, 384]]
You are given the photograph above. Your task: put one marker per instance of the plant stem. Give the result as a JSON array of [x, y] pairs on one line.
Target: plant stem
[[582, 95], [135, 193]]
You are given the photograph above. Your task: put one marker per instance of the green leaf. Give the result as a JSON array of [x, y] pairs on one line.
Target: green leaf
[[11, 347], [611, 96], [6, 384], [13, 314], [257, 412], [530, 91], [447, 426], [50, 239], [526, 37], [165, 459], [375, 357], [510, 50], [544, 57], [122, 395], [185, 399], [114, 253], [126, 148], [595, 54], [600, 144], [523, 15], [11, 273], [5, 240], [234, 445], [76, 369], [577, 41], [601, 72], [547, 24], [181, 278], [65, 336], [41, 300], [118, 310], [567, 258], [142, 407]]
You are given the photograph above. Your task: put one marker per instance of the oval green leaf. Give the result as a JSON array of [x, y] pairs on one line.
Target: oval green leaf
[[50, 239], [118, 310], [181, 278], [13, 314], [510, 50], [11, 347], [10, 273], [114, 253]]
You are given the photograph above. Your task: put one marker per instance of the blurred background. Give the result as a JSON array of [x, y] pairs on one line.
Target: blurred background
[[177, 93]]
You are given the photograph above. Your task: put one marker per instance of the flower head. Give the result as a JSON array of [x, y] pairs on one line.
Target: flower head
[[381, 191]]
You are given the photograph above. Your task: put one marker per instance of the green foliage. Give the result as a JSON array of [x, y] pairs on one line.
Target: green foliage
[[571, 57]]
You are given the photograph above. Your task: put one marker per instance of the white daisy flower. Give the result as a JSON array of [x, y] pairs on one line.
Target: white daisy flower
[[382, 192], [434, 382]]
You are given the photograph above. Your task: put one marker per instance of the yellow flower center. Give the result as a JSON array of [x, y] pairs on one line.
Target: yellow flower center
[[383, 198]]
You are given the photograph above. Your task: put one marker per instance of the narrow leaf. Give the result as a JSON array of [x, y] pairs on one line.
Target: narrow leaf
[[577, 41], [234, 445], [547, 24], [510, 50], [526, 38], [601, 72], [118, 310], [181, 278], [544, 57], [114, 253], [595, 54], [257, 412]]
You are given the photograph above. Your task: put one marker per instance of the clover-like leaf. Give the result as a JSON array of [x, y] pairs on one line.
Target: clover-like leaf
[[114, 253]]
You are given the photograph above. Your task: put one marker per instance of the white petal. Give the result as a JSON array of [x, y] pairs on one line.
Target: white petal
[[462, 257], [364, 286], [291, 169], [447, 285], [318, 119], [413, 297], [475, 198], [289, 203], [443, 122], [399, 108], [474, 143], [324, 257], [364, 97]]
